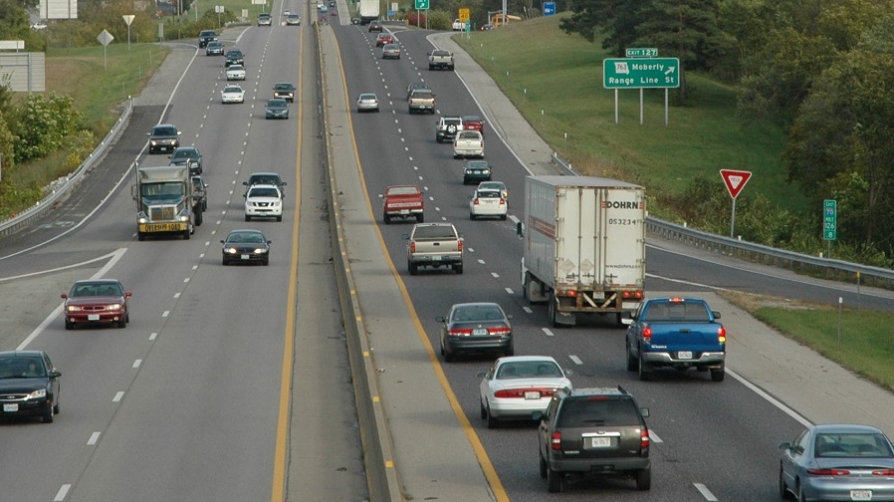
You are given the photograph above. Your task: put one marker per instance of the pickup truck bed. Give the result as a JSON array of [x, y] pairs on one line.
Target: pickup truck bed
[[421, 100], [402, 201], [677, 333]]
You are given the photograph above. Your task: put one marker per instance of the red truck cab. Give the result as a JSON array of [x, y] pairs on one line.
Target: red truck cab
[[402, 201]]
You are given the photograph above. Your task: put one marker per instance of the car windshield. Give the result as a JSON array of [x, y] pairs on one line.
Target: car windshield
[[21, 367], [477, 313], [247, 237], [95, 289], [283, 87], [852, 445], [263, 179], [263, 192], [480, 164], [597, 410], [164, 131], [157, 192], [528, 369]]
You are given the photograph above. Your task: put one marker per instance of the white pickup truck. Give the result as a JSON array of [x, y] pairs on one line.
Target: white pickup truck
[[440, 60], [458, 25], [434, 245]]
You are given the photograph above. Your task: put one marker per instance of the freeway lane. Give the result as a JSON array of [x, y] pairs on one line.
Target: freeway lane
[[196, 375], [699, 425]]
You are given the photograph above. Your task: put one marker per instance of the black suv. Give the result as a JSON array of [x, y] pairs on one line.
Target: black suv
[[164, 138], [206, 36], [234, 56], [597, 431]]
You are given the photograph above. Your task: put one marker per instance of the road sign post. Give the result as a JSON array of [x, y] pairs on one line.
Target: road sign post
[[830, 222], [735, 181]]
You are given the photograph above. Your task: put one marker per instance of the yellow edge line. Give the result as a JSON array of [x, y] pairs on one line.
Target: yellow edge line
[[489, 472], [285, 385]]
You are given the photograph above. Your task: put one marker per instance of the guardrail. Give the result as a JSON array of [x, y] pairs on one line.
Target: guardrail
[[36, 211], [757, 253]]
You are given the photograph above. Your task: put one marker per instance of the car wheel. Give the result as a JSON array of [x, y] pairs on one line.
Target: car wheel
[[56, 406], [492, 422], [645, 372], [472, 216], [199, 217], [279, 218], [543, 467], [420, 218], [224, 262], [458, 269], [386, 219], [448, 355], [503, 217], [122, 323], [266, 261], [555, 480], [141, 236], [631, 361], [412, 267], [643, 479], [438, 139], [717, 375], [483, 409], [509, 352], [69, 324], [800, 496], [784, 494], [247, 218]]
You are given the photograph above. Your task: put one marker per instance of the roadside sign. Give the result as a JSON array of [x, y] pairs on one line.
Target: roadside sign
[[638, 73], [735, 180], [105, 38], [464, 15], [830, 220], [642, 53], [549, 8], [422, 4]]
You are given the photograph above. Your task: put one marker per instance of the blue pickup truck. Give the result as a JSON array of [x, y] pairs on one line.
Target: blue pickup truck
[[679, 333]]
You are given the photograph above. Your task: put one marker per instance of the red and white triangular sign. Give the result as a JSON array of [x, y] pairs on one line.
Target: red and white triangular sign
[[735, 180]]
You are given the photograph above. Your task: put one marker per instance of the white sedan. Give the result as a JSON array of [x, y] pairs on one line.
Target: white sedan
[[517, 387], [368, 102], [236, 72], [232, 94], [488, 202], [468, 144]]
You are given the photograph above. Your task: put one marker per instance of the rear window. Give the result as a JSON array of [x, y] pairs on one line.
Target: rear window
[[597, 410], [403, 191], [435, 232], [678, 311], [852, 445]]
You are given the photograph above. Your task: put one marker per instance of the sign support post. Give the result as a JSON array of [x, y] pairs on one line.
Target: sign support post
[[735, 181]]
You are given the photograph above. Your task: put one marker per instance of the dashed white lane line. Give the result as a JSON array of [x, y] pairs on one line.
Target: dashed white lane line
[[60, 495], [547, 332], [118, 397], [137, 363], [576, 359], [93, 439], [705, 492]]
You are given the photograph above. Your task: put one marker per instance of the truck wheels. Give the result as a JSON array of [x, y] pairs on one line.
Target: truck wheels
[[553, 311], [386, 219], [645, 370], [631, 361], [458, 268], [199, 217], [413, 268], [141, 236], [717, 375]]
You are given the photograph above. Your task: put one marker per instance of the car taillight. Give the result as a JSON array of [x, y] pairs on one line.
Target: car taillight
[[883, 472], [647, 335], [556, 441], [644, 440], [460, 332], [829, 472], [412, 247], [721, 334], [502, 202], [475, 202], [459, 245], [499, 331], [632, 294]]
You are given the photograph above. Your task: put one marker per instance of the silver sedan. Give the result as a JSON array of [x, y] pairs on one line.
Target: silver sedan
[[367, 102], [837, 462], [517, 386]]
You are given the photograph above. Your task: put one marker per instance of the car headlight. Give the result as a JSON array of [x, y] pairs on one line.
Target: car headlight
[[115, 306], [37, 394], [229, 250], [184, 217], [260, 250], [142, 219], [73, 308], [153, 142]]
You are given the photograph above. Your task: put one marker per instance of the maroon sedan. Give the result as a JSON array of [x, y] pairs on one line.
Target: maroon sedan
[[384, 38], [100, 301], [473, 123]]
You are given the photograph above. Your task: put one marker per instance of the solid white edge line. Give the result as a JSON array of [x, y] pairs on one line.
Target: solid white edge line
[[772, 400]]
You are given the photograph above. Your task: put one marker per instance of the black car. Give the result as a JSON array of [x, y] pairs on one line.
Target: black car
[[200, 194], [277, 108], [266, 179], [164, 138], [187, 155], [475, 327], [206, 36], [214, 49], [476, 171], [246, 246], [595, 432], [29, 385], [234, 56], [284, 90]]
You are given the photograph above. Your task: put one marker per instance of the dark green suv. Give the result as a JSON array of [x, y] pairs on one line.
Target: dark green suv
[[597, 431]]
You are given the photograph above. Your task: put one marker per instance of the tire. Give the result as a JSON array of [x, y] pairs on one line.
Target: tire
[[472, 216], [509, 352], [643, 479], [48, 417], [186, 234], [800, 495], [414, 269], [492, 422], [56, 406], [784, 494], [431, 67], [224, 262], [503, 217], [458, 269], [199, 217], [553, 312], [439, 139], [543, 467], [555, 480], [122, 323], [632, 363], [247, 218], [141, 237], [483, 410], [420, 218], [717, 375], [448, 356], [266, 262], [644, 374], [386, 219], [69, 325], [279, 218]]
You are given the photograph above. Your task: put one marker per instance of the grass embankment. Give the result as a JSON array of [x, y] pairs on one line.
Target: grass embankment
[[555, 80]]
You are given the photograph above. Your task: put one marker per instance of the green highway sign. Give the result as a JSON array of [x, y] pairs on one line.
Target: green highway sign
[[830, 220], [642, 53], [636, 73], [421, 4]]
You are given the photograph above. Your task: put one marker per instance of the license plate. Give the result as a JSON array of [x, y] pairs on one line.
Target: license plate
[[684, 354], [163, 227], [10, 407], [435, 258], [532, 394], [479, 331], [404, 211], [245, 256], [600, 442], [92, 317], [861, 494]]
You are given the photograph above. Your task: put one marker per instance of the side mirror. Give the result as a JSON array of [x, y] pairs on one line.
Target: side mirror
[[481, 374], [405, 237], [715, 314], [222, 242], [509, 316], [440, 318], [785, 445], [54, 374], [381, 196], [133, 192], [644, 412], [627, 321]]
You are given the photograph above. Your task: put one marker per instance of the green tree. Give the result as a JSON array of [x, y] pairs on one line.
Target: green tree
[[615, 19], [43, 125]]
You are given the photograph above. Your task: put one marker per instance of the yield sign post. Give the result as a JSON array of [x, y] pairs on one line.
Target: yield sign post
[[735, 181]]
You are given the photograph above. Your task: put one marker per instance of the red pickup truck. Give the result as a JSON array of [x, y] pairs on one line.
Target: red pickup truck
[[402, 201]]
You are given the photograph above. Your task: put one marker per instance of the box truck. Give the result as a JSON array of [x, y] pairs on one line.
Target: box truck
[[369, 11], [584, 246]]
